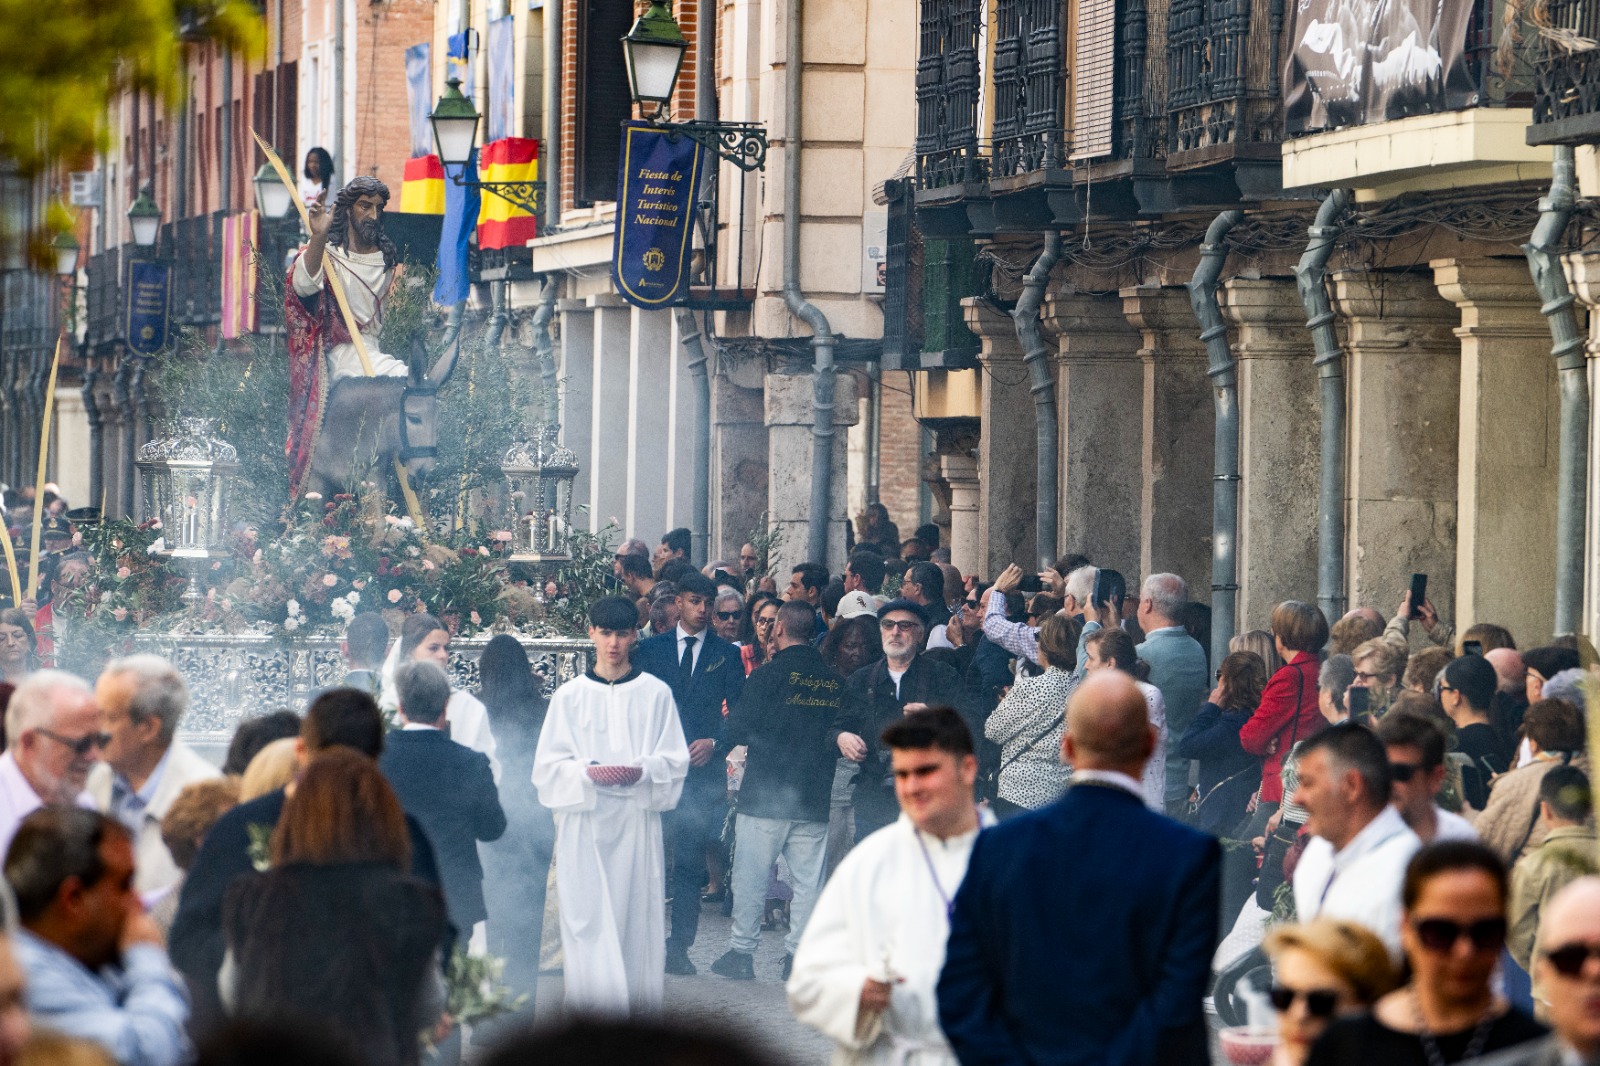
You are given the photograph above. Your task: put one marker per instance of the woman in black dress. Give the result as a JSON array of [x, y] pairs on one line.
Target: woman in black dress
[[1453, 931]]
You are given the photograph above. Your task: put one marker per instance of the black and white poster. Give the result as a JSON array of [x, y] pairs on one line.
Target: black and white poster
[[1353, 62]]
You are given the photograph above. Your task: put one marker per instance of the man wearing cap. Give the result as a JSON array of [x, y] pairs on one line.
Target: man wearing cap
[[876, 695]]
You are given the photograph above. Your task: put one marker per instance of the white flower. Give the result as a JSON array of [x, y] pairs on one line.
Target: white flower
[[413, 551], [353, 597], [293, 607], [341, 609], [291, 624], [313, 495]]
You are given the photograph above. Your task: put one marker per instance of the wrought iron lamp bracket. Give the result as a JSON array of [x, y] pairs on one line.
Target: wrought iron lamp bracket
[[528, 195], [744, 144]]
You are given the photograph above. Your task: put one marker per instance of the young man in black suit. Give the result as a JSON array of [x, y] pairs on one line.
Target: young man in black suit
[[446, 786], [705, 674], [1095, 893]]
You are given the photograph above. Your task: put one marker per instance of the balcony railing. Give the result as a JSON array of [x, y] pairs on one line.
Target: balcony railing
[[1030, 65], [195, 247], [1224, 88], [948, 80], [104, 298], [1566, 105]]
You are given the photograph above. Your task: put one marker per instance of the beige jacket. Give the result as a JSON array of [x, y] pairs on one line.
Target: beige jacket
[[1510, 825], [1566, 855], [154, 869]]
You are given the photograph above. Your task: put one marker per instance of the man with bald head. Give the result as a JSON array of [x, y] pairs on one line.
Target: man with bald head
[[1568, 971], [1095, 893]]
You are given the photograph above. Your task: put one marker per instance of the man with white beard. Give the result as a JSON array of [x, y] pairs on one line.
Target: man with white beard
[[611, 758], [866, 969]]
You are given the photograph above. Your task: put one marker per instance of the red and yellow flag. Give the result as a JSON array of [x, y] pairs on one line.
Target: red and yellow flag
[[501, 223], [422, 190]]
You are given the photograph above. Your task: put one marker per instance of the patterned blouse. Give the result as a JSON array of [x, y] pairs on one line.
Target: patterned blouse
[[1033, 713]]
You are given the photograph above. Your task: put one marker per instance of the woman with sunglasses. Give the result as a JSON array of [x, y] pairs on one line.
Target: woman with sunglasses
[[756, 646], [1453, 930], [1322, 970]]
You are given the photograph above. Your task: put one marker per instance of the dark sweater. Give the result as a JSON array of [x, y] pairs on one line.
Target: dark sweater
[[786, 718]]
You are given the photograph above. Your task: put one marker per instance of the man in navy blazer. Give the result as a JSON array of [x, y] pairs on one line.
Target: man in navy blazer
[[446, 786], [705, 673], [1083, 932]]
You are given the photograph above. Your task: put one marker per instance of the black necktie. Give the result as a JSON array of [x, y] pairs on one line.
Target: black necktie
[[686, 665]]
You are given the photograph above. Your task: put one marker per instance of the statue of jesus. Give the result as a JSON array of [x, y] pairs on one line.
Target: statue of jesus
[[351, 237]]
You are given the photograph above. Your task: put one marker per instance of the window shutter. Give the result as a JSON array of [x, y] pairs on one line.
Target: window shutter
[[1095, 70], [602, 102]]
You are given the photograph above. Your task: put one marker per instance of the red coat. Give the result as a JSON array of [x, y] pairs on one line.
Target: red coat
[[1293, 687]]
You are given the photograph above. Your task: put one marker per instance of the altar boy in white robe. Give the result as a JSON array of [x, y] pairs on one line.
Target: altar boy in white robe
[[866, 969], [611, 758]]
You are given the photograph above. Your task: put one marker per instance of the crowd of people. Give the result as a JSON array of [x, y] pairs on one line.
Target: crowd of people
[[1018, 820]]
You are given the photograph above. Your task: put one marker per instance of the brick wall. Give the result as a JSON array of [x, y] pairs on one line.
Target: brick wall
[[899, 454], [383, 32]]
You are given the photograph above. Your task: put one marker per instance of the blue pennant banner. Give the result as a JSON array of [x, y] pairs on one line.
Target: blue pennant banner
[[149, 305], [656, 188]]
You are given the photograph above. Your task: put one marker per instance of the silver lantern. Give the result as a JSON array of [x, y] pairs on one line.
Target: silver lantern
[[539, 475], [186, 476]]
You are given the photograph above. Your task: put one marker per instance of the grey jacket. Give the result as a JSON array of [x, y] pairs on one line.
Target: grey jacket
[[1178, 668], [1546, 1051]]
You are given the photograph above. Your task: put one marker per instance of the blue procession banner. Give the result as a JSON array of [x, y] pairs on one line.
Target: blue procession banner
[[656, 187], [149, 306]]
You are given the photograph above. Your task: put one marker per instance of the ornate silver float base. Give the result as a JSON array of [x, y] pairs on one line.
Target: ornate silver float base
[[232, 678]]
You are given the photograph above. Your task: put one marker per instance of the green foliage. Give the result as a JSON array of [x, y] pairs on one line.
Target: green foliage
[[474, 989], [766, 538], [129, 588], [63, 63], [587, 578]]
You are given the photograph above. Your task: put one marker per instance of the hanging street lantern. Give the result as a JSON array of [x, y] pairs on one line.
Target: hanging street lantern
[[539, 476], [455, 125], [272, 195], [654, 50], [66, 249], [144, 218]]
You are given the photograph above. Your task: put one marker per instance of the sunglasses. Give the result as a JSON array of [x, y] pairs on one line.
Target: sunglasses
[[1403, 771], [971, 605], [905, 627], [728, 616], [80, 746], [1320, 1002], [1568, 960], [1442, 934]]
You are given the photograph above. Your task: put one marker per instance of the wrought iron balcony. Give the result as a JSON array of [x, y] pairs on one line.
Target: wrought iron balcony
[[1566, 104], [948, 80], [1030, 64], [104, 299]]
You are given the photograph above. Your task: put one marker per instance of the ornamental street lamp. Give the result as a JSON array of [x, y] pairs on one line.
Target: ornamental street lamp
[[455, 129], [66, 249], [272, 195], [186, 477], [144, 218], [539, 474], [654, 50]]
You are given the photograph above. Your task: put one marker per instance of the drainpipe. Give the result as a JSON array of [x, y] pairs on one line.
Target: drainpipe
[[1223, 373], [1310, 276], [336, 183], [498, 317], [694, 344], [91, 408], [1544, 263], [874, 430], [225, 147], [822, 341], [544, 347], [550, 151], [1035, 353]]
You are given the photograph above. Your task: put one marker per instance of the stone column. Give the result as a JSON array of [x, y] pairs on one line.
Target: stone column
[[1099, 382], [1280, 412], [1176, 460], [738, 455], [610, 445], [1007, 450], [575, 373], [789, 448], [1583, 273], [961, 474], [649, 422], [1509, 443], [1403, 373]]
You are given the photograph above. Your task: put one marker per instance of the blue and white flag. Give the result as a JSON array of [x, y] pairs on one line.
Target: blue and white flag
[[460, 222]]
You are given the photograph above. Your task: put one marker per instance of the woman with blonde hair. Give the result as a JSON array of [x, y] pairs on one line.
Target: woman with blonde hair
[[271, 769], [1322, 970], [1259, 641]]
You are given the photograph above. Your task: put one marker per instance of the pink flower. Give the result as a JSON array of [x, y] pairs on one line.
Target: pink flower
[[120, 614], [330, 580], [123, 573], [358, 584], [476, 620], [502, 536], [427, 564], [483, 551], [394, 595]]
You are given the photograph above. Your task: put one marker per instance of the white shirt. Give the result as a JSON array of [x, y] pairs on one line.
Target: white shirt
[[1360, 882], [18, 799], [1451, 827], [699, 644], [895, 676], [1110, 777], [365, 281], [142, 812]]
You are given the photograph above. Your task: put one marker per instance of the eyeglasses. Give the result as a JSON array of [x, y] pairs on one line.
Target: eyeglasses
[[1442, 934], [890, 625], [728, 616], [80, 746], [764, 622], [1320, 1002], [972, 605], [1447, 688], [1363, 676], [1569, 959], [1403, 771]]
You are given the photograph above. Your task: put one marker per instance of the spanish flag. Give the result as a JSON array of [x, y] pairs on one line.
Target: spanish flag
[[501, 223], [422, 191]]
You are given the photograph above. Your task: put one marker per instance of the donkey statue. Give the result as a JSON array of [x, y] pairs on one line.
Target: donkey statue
[[371, 422]]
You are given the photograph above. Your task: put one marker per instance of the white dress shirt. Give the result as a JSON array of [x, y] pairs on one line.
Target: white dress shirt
[[1360, 882], [683, 636], [18, 799]]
